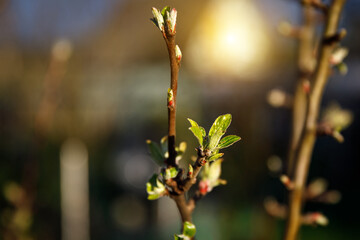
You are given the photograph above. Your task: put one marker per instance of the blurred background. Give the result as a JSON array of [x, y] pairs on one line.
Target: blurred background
[[83, 84]]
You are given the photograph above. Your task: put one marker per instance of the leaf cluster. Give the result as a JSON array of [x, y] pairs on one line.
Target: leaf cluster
[[211, 143]]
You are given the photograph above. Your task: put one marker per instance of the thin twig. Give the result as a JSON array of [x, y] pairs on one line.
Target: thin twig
[[191, 180], [174, 66]]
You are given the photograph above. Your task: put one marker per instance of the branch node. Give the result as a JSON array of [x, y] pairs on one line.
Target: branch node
[[335, 38]]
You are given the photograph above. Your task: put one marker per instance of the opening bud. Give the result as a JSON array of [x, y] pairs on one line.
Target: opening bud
[[170, 98], [178, 53], [171, 20], [158, 19], [338, 55], [287, 182]]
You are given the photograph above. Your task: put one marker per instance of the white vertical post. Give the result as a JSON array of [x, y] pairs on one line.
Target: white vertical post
[[74, 190]]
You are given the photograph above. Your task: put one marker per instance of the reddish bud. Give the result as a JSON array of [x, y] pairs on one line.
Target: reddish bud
[[202, 162], [306, 86], [191, 171], [315, 218], [287, 182], [203, 187], [178, 53], [170, 98]]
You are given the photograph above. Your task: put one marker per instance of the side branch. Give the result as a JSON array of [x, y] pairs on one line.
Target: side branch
[[191, 179], [186, 208]]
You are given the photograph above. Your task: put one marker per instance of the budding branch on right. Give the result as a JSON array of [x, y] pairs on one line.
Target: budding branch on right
[[314, 75]]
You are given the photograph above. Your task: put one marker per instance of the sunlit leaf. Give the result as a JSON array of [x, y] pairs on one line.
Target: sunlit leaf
[[214, 140], [155, 152], [220, 124], [203, 132], [194, 124], [218, 129], [197, 133], [228, 141], [215, 157]]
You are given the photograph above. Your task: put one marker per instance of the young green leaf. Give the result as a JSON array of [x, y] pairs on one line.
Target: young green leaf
[[164, 10], [220, 124], [228, 141], [203, 132], [155, 152], [170, 173], [155, 188], [218, 129], [194, 124], [189, 229], [197, 133], [215, 157], [214, 140]]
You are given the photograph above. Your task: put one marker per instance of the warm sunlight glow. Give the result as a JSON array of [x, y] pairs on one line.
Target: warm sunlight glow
[[229, 40]]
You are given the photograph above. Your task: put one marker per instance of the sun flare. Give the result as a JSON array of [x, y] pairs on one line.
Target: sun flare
[[229, 40]]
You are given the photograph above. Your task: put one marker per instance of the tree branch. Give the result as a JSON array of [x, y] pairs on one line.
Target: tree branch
[[307, 141]]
